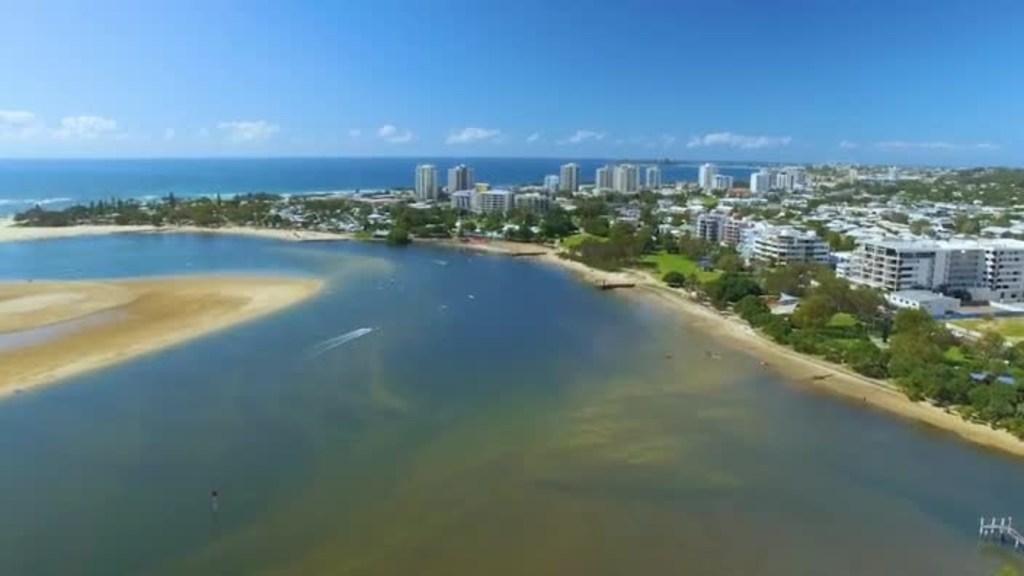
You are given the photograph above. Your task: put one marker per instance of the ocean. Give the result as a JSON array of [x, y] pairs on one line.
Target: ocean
[[60, 183], [443, 412]]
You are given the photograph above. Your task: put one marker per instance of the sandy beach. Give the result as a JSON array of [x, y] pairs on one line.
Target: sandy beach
[[90, 325], [808, 371], [12, 233]]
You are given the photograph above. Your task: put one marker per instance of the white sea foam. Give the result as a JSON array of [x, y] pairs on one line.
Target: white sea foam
[[332, 343]]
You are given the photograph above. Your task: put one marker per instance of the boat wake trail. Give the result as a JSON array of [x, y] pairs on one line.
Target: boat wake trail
[[332, 343]]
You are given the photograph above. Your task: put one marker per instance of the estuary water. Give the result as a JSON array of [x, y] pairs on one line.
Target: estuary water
[[443, 412]]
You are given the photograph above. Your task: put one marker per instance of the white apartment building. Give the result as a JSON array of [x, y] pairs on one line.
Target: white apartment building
[[706, 176], [488, 201], [462, 200], [426, 182], [460, 178], [604, 178], [652, 178], [551, 183], [781, 245], [986, 269], [569, 177], [710, 226], [721, 182], [760, 182], [532, 202], [626, 178], [732, 231]]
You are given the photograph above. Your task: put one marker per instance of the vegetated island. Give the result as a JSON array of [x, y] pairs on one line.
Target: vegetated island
[[841, 338], [53, 330]]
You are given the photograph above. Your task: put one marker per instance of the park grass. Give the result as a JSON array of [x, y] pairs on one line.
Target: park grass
[[955, 355], [576, 240], [1010, 328], [666, 263], [842, 320]]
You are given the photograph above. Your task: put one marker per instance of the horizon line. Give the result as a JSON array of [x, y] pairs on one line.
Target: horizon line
[[661, 159]]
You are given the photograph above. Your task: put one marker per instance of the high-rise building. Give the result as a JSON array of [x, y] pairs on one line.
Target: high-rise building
[[569, 177], [626, 178], [603, 178], [706, 176], [721, 182], [783, 181], [460, 178], [652, 178], [551, 183], [426, 182], [760, 182]]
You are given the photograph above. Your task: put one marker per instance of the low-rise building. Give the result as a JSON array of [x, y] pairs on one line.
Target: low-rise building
[[985, 269], [781, 245], [532, 202], [935, 304], [497, 201]]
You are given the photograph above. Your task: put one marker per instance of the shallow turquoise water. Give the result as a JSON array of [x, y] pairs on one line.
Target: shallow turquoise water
[[500, 418]]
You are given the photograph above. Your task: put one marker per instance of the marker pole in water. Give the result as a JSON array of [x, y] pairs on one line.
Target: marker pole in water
[[214, 501]]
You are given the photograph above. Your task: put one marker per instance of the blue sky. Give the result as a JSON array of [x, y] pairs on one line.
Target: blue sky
[[927, 81]]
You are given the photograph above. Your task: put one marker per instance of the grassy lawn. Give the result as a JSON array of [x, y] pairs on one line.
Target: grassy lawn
[[842, 320], [676, 262], [1011, 328], [573, 242], [954, 355]]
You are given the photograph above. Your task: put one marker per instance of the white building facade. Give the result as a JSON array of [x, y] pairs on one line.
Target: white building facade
[[626, 178], [426, 182], [569, 177], [706, 176], [985, 269], [652, 178], [460, 178], [781, 245]]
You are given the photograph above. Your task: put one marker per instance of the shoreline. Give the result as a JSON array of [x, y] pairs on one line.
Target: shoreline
[[809, 372], [806, 371], [9, 232], [94, 324]]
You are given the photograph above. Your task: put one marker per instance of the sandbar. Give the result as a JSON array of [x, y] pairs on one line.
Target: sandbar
[[110, 321]]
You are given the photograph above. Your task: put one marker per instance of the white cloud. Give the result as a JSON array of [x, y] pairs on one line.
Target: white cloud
[[472, 134], [245, 131], [170, 133], [848, 145], [533, 137], [355, 133], [84, 127], [581, 136], [667, 140], [933, 145], [391, 133], [731, 140], [18, 124]]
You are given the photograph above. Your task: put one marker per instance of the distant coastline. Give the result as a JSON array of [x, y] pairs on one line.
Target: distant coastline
[[809, 371]]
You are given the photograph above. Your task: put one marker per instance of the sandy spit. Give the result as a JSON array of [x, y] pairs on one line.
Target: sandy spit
[[11, 233], [139, 316]]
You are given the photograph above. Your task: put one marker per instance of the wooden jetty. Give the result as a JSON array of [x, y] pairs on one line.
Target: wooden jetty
[[611, 285], [1001, 530]]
